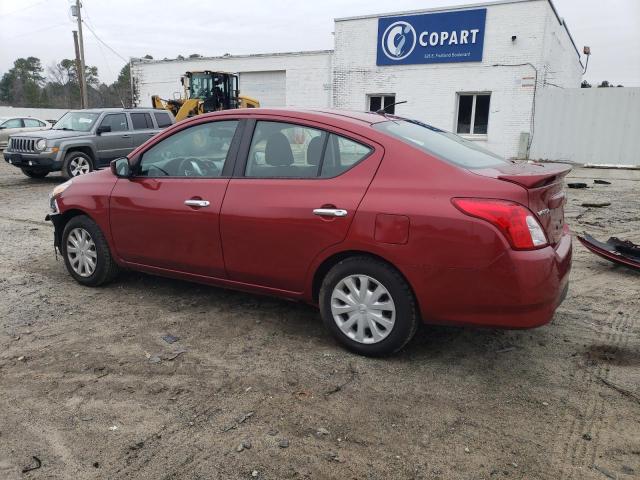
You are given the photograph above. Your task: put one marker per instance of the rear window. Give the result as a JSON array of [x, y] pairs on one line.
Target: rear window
[[445, 145], [162, 119], [141, 121]]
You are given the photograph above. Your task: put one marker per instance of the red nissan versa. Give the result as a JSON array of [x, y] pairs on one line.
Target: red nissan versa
[[381, 221]]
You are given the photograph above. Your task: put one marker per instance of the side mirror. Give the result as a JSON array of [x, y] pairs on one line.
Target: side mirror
[[120, 167], [103, 129]]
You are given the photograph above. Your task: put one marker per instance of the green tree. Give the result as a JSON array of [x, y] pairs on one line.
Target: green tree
[[21, 86]]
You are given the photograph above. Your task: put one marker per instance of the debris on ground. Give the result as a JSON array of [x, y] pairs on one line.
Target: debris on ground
[[240, 420], [34, 466], [170, 339], [175, 354], [596, 204], [597, 181], [577, 185], [284, 443], [622, 252]]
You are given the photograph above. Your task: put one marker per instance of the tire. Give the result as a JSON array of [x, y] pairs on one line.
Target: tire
[[75, 164], [401, 324], [104, 269], [35, 172]]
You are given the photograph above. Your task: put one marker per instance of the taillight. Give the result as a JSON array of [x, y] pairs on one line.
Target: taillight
[[516, 222]]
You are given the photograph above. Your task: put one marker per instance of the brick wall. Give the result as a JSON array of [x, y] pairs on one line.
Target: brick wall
[[431, 90]]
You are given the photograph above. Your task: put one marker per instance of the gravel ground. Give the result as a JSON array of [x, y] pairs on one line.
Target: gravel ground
[[255, 388]]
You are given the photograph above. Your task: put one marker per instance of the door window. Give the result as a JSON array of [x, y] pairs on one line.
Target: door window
[[286, 150], [13, 123], [117, 122], [141, 121], [199, 151], [31, 122]]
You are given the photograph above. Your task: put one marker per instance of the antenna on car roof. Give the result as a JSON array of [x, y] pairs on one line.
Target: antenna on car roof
[[383, 111]]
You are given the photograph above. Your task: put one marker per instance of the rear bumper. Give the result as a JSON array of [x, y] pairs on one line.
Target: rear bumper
[[33, 160], [521, 289]]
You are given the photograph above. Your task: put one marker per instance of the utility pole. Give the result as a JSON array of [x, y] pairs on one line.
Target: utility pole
[[79, 67], [81, 74]]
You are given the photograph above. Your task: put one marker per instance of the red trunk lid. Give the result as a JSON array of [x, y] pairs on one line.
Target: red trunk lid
[[545, 189]]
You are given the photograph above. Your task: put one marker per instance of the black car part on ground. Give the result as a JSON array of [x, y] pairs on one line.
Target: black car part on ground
[[622, 252]]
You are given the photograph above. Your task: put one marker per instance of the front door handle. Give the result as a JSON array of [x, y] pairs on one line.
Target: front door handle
[[330, 212], [126, 136], [197, 203]]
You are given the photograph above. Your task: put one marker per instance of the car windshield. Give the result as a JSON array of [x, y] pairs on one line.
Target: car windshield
[[445, 145], [78, 121]]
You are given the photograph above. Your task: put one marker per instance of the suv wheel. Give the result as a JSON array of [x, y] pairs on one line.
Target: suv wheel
[[76, 163], [86, 252], [368, 306], [35, 172]]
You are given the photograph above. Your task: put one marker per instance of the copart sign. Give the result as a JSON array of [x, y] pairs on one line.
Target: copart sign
[[431, 38]]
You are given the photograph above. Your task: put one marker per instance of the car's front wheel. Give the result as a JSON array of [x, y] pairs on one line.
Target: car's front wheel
[[76, 163], [368, 306], [35, 172], [86, 252]]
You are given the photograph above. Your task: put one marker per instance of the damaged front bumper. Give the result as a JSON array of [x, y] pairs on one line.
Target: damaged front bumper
[[56, 219], [621, 252]]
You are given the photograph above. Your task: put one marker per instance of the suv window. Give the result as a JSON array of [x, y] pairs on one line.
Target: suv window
[[162, 119], [13, 123], [32, 122], [117, 122], [286, 150], [199, 151], [141, 121]]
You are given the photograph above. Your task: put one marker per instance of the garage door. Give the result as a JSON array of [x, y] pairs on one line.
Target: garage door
[[269, 88]]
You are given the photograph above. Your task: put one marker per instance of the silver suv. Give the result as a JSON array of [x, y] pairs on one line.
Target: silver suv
[[83, 140]]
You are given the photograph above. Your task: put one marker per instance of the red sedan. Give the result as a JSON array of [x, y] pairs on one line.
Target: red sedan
[[381, 221]]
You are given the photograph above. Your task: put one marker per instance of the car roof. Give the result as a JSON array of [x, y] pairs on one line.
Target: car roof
[[322, 115], [119, 110]]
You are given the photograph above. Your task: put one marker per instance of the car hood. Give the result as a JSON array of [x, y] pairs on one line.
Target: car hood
[[53, 134]]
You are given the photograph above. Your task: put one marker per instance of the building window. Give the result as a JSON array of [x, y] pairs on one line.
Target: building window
[[376, 102], [473, 113]]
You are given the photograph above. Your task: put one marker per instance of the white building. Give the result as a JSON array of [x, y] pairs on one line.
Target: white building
[[473, 69]]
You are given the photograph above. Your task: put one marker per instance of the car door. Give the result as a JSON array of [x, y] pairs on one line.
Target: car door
[[32, 125], [143, 128], [10, 127], [167, 215], [117, 142], [294, 195]]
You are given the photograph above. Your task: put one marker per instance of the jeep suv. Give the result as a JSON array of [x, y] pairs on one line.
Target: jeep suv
[[84, 140]]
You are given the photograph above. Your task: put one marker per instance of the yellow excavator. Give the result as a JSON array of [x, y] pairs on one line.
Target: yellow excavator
[[205, 92]]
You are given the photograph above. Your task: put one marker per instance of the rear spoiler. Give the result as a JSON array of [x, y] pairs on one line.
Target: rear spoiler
[[551, 174]]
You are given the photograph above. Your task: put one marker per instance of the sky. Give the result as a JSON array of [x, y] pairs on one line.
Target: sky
[[167, 28]]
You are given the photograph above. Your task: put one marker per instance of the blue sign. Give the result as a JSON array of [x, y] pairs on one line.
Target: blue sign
[[431, 38]]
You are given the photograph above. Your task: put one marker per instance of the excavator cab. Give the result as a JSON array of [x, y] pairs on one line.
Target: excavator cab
[[205, 92]]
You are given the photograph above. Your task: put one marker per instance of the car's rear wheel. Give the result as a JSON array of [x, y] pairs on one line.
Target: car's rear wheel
[[75, 164], [368, 306], [86, 252], [35, 172]]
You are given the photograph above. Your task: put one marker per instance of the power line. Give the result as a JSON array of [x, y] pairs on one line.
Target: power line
[[4, 14], [104, 43]]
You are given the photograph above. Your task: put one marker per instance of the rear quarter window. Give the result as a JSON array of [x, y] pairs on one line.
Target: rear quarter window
[[162, 119]]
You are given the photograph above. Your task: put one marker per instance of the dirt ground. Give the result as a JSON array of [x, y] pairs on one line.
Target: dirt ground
[[255, 387]]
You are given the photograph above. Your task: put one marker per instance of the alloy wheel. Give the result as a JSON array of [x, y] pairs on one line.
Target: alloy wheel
[[79, 166]]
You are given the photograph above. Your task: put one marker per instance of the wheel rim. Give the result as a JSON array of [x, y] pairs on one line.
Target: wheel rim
[[79, 166], [81, 252], [363, 309]]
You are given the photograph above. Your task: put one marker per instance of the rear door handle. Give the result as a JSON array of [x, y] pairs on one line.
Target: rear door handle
[[126, 136], [197, 203], [330, 212]]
